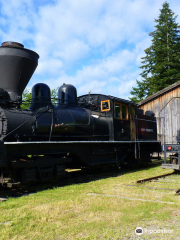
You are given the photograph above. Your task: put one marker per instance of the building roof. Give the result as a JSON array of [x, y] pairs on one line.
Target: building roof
[[156, 95]]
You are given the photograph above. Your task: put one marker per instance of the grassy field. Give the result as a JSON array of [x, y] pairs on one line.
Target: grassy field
[[109, 208]]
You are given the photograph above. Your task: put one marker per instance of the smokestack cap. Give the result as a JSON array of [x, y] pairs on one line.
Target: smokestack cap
[[12, 44]]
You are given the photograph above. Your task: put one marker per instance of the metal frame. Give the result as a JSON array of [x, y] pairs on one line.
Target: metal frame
[[175, 148], [69, 142]]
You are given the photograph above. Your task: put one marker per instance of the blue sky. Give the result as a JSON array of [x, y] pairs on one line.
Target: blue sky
[[95, 45]]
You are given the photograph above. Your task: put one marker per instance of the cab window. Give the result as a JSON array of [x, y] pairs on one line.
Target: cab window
[[105, 105], [121, 111]]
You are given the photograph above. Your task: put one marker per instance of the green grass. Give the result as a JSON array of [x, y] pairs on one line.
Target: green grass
[[70, 213]]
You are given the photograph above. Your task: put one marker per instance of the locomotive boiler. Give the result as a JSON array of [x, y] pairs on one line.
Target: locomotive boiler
[[38, 143]]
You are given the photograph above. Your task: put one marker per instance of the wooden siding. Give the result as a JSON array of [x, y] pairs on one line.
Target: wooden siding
[[166, 107]]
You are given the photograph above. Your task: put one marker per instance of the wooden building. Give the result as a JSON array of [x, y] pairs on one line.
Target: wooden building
[[166, 106]]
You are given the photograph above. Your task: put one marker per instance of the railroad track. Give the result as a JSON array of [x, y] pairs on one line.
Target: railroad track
[[168, 179]]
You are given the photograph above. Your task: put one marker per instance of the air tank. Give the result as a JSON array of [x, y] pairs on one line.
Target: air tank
[[17, 64]]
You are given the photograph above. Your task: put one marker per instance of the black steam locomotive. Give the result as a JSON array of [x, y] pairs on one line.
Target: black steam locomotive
[[92, 130]]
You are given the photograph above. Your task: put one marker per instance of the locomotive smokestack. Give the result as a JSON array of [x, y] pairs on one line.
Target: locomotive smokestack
[[17, 65]]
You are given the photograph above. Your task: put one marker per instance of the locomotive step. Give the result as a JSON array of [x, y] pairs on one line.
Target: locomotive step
[[171, 166]]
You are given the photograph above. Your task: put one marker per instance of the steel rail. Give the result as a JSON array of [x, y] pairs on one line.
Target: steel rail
[[155, 177]]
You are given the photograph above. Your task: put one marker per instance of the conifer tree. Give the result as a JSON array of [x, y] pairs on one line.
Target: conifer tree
[[161, 65]]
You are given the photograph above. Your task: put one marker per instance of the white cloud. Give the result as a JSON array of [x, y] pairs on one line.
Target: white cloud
[[92, 44], [51, 66], [75, 50], [111, 76]]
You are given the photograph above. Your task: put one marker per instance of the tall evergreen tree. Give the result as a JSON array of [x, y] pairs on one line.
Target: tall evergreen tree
[[161, 65]]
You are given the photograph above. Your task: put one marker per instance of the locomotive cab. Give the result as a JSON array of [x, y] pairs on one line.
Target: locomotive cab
[[118, 113]]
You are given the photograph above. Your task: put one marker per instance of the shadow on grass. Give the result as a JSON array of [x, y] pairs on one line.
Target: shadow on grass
[[84, 176], [81, 176]]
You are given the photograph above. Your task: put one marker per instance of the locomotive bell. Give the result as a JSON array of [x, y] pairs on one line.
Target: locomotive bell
[[17, 64]]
